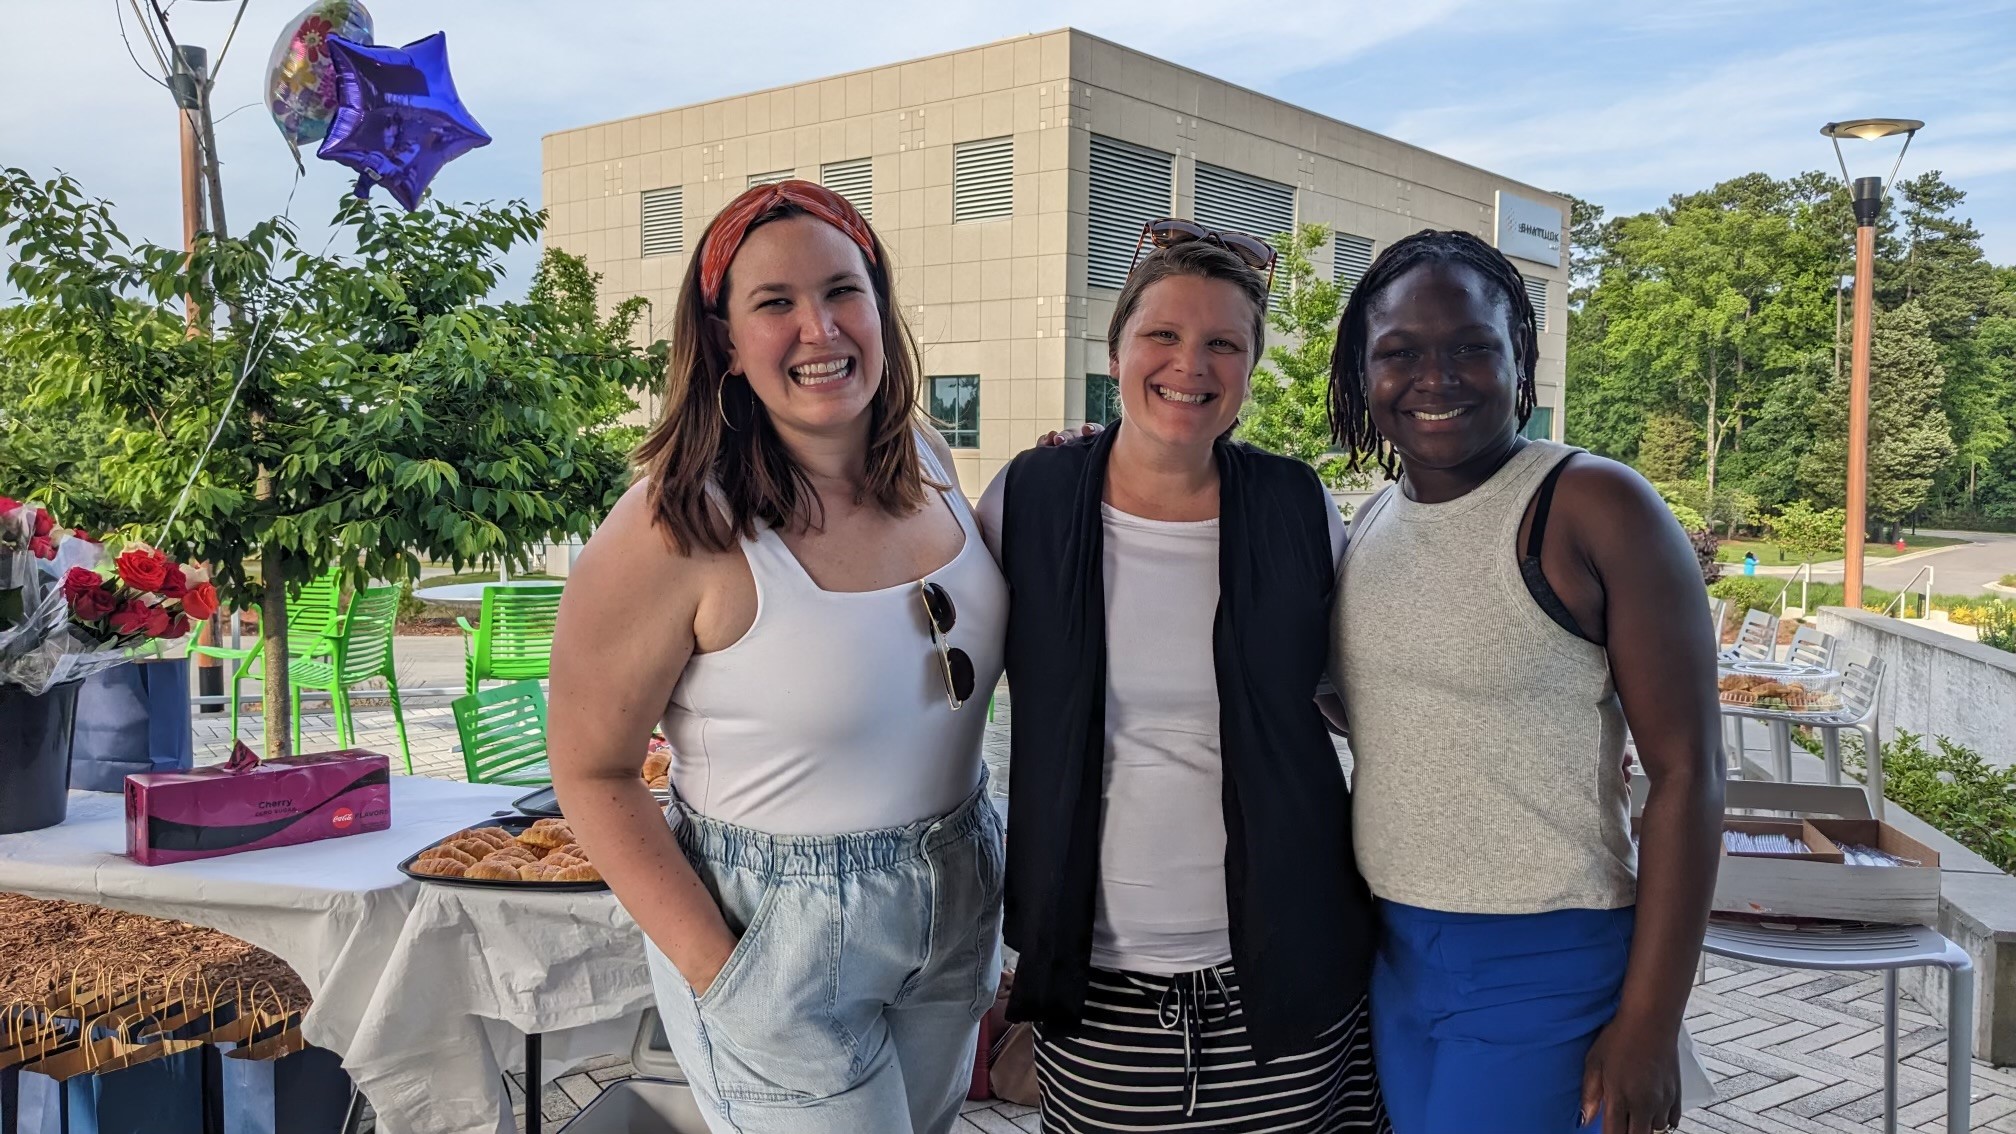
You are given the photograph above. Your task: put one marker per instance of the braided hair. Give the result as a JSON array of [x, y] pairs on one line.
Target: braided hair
[[1350, 415]]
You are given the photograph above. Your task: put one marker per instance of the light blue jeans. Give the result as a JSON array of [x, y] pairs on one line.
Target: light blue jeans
[[853, 999]]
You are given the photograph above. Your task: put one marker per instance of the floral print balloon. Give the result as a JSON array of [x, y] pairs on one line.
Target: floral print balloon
[[300, 75]]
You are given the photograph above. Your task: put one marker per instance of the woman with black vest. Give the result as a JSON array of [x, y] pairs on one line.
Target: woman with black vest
[[1194, 937]]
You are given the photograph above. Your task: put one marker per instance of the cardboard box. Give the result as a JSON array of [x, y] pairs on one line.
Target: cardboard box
[[1823, 885], [248, 805]]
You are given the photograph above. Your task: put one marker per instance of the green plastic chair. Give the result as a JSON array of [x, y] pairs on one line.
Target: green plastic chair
[[359, 650], [311, 616], [513, 637], [503, 734]]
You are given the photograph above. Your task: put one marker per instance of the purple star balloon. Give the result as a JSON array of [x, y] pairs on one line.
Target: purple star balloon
[[398, 119]]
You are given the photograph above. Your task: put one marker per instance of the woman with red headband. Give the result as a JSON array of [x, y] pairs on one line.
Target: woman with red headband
[[797, 591]]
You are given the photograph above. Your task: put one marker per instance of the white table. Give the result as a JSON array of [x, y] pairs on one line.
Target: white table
[[425, 991]]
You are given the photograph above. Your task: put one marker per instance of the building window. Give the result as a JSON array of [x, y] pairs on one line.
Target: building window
[[1353, 258], [770, 178], [983, 180], [664, 221], [1227, 198], [854, 180], [955, 404], [1536, 290], [1102, 399], [1540, 427], [1130, 186]]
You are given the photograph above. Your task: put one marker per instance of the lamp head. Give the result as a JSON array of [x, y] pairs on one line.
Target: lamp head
[[1870, 129]]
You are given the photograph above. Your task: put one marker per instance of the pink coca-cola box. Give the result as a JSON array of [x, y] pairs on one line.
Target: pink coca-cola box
[[249, 805]]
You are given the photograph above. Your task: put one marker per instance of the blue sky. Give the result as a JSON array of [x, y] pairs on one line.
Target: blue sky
[[1622, 103]]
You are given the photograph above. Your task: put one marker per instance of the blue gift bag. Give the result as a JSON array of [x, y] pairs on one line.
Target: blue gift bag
[[130, 719], [305, 1092], [161, 1095]]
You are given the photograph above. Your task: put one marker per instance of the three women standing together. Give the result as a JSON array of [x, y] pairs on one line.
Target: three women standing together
[[798, 592]]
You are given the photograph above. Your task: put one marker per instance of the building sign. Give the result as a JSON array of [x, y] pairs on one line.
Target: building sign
[[1530, 230]]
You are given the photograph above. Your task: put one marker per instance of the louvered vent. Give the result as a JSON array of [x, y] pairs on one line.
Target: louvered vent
[[1227, 198], [1536, 290], [771, 178], [1353, 259], [1130, 186], [854, 180], [664, 221], [983, 180]]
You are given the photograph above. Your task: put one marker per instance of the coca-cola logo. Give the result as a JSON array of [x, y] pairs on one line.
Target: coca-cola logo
[[343, 818]]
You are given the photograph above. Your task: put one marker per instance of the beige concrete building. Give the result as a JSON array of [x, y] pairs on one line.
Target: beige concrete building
[[1010, 183]]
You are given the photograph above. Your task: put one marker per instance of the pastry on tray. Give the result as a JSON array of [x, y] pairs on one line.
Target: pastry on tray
[[544, 852]]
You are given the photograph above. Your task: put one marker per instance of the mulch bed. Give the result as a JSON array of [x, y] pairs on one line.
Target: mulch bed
[[47, 946]]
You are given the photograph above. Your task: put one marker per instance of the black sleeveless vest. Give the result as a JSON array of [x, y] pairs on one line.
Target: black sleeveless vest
[[1300, 915]]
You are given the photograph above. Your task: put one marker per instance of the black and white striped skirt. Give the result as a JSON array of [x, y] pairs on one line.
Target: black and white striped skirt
[[1171, 1053]]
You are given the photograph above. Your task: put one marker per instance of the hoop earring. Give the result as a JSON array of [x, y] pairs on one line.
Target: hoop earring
[[721, 403]]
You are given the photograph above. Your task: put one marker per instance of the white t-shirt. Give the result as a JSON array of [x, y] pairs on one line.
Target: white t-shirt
[[1161, 898]]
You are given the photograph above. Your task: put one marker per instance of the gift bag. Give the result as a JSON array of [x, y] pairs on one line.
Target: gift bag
[[284, 1086], [111, 1087], [132, 718]]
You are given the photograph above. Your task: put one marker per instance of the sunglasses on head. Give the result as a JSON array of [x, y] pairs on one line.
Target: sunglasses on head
[[953, 663], [1168, 232]]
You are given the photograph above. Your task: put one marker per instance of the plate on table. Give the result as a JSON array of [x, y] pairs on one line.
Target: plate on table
[[514, 825]]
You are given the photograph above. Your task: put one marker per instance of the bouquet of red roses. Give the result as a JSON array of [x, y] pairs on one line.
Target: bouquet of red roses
[[72, 614]]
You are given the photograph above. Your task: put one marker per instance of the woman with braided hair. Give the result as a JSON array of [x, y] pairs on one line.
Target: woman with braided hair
[[1503, 612]]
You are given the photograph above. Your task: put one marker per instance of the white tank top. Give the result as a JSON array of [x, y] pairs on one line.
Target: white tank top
[[829, 715]]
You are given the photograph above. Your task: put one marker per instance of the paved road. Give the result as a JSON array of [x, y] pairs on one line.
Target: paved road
[[1960, 570]]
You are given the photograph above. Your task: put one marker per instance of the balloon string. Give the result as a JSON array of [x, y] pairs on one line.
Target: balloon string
[[252, 357]]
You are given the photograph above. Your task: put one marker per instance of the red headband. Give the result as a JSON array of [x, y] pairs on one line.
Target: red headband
[[725, 239]]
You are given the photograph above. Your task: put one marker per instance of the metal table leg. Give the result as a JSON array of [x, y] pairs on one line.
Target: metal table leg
[[1959, 1049], [535, 1091], [1781, 750]]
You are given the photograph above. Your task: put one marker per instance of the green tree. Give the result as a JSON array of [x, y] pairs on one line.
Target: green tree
[[1909, 439], [1288, 412], [386, 408], [1809, 532], [1668, 448]]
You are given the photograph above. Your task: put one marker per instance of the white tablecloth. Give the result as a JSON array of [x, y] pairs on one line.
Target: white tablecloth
[[425, 991]]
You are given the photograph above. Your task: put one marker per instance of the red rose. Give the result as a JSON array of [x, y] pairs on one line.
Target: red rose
[[143, 568], [137, 619], [176, 584], [44, 524], [92, 605], [177, 626], [7, 505], [80, 533], [42, 547], [79, 580], [200, 601]]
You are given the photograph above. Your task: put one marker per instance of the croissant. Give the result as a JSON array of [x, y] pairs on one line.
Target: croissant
[[582, 873], [440, 867], [451, 851], [557, 861], [547, 833], [571, 848], [492, 869], [656, 765], [495, 836], [537, 872], [514, 857]]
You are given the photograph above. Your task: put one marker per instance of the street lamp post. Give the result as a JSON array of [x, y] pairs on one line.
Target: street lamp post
[[1866, 194]]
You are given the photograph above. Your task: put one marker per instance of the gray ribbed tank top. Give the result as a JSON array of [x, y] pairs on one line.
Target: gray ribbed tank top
[[1488, 740]]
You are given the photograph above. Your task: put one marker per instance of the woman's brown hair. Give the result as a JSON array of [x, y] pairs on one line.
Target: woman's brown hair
[[1191, 258], [714, 430]]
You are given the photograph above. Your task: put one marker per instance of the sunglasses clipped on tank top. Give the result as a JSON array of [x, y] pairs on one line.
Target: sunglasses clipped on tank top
[[953, 663]]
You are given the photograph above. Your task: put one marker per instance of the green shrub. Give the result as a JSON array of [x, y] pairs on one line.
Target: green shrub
[[1747, 592], [2008, 580], [1953, 789], [1997, 626], [410, 608]]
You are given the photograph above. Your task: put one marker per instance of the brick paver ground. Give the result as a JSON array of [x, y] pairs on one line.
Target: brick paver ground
[[1791, 1052]]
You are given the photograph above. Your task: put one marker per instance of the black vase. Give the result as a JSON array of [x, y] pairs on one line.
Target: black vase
[[35, 737]]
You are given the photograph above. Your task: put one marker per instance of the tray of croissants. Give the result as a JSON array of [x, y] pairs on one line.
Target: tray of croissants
[[513, 853]]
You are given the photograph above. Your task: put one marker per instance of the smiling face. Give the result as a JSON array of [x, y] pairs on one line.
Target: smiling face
[[1441, 366], [1184, 360], [803, 326]]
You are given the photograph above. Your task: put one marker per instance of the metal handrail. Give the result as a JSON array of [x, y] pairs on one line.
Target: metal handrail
[[1903, 608], [1804, 577]]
